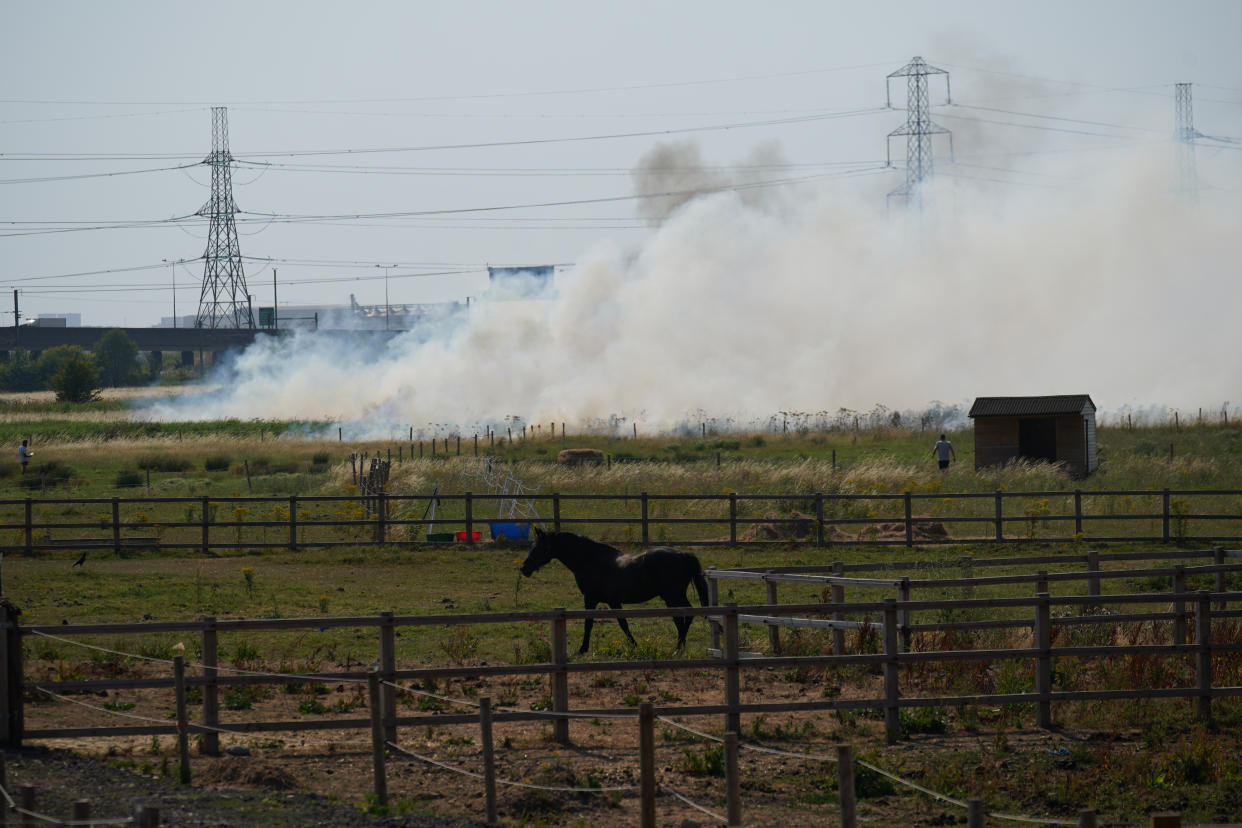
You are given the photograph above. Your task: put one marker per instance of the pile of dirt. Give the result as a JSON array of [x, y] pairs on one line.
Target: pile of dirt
[[794, 527], [247, 773], [922, 530]]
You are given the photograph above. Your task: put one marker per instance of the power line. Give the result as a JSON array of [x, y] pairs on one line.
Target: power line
[[289, 218], [828, 115], [470, 97], [1055, 118], [77, 176]]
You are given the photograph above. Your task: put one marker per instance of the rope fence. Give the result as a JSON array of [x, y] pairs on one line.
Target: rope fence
[[1188, 611]]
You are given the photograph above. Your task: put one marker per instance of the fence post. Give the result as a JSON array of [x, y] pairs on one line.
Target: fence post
[[838, 598], [1078, 512], [733, 786], [377, 711], [293, 522], [975, 815], [206, 516], [1041, 585], [556, 512], [646, 764], [1179, 604], [27, 798], [1164, 522], [643, 502], [1093, 567], [489, 757], [12, 716], [1086, 818], [845, 786], [1000, 518], [183, 722], [774, 631], [1166, 820], [903, 615], [733, 686], [1043, 663], [469, 518], [211, 691], [733, 518], [560, 678], [379, 517], [819, 518], [1203, 658], [29, 525], [909, 521], [116, 525], [1218, 559], [81, 810], [388, 666], [892, 717], [713, 598]]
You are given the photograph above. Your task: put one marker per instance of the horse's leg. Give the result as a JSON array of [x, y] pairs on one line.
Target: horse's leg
[[624, 624], [586, 627], [682, 622]]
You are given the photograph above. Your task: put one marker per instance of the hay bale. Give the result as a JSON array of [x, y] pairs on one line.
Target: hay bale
[[580, 457]]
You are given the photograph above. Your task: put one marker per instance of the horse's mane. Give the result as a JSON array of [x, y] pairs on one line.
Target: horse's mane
[[580, 544]]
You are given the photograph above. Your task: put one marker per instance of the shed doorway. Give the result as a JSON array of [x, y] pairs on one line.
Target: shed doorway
[[1037, 438]]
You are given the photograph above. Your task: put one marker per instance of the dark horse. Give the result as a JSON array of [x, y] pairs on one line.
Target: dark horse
[[607, 576]]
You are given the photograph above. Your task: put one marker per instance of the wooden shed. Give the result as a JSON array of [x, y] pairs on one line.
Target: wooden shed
[[1059, 429]]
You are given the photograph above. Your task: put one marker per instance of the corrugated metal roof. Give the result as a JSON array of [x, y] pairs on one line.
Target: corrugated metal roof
[[1031, 406]]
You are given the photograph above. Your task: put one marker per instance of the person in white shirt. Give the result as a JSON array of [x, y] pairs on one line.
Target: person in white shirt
[[23, 455], [943, 451]]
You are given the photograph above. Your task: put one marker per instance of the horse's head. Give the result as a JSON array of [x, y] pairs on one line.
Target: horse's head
[[540, 553]]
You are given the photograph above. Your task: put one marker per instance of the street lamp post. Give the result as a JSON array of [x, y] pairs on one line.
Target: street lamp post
[[387, 307]]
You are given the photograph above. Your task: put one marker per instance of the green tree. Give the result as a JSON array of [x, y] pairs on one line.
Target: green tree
[[76, 380], [48, 365], [116, 357], [20, 373]]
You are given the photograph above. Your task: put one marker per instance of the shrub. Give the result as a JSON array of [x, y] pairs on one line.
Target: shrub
[[163, 463], [53, 473], [128, 480], [710, 762], [217, 462], [319, 458], [75, 381]]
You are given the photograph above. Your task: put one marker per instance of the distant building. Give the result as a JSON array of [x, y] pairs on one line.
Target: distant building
[[58, 320], [1058, 429]]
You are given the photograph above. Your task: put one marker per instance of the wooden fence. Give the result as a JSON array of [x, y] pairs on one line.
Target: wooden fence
[[819, 519], [889, 619], [1202, 624]]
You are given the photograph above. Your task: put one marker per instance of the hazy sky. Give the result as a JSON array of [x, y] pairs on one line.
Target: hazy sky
[[373, 134], [89, 84]]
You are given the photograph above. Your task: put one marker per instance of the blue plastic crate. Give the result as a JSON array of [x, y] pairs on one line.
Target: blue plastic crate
[[510, 531]]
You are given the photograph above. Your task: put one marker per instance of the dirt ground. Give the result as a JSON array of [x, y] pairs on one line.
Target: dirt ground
[[324, 777]]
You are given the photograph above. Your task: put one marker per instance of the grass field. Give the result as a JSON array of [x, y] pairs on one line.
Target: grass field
[[1131, 758]]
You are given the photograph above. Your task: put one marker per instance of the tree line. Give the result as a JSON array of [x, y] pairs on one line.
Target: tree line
[[77, 375]]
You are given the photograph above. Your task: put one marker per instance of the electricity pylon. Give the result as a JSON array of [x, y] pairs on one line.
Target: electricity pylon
[[918, 129], [1187, 177], [223, 302]]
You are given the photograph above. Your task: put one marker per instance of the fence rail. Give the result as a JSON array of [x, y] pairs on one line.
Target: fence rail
[[818, 519], [1199, 632]]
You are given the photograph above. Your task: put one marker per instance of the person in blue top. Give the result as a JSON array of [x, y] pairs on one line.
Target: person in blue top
[[23, 455], [943, 451]]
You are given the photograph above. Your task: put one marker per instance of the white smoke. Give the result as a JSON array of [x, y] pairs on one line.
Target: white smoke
[[1107, 286]]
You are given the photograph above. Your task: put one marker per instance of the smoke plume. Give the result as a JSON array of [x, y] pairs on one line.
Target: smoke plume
[[736, 309]]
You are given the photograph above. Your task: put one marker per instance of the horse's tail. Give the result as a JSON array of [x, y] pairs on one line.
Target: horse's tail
[[700, 583]]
